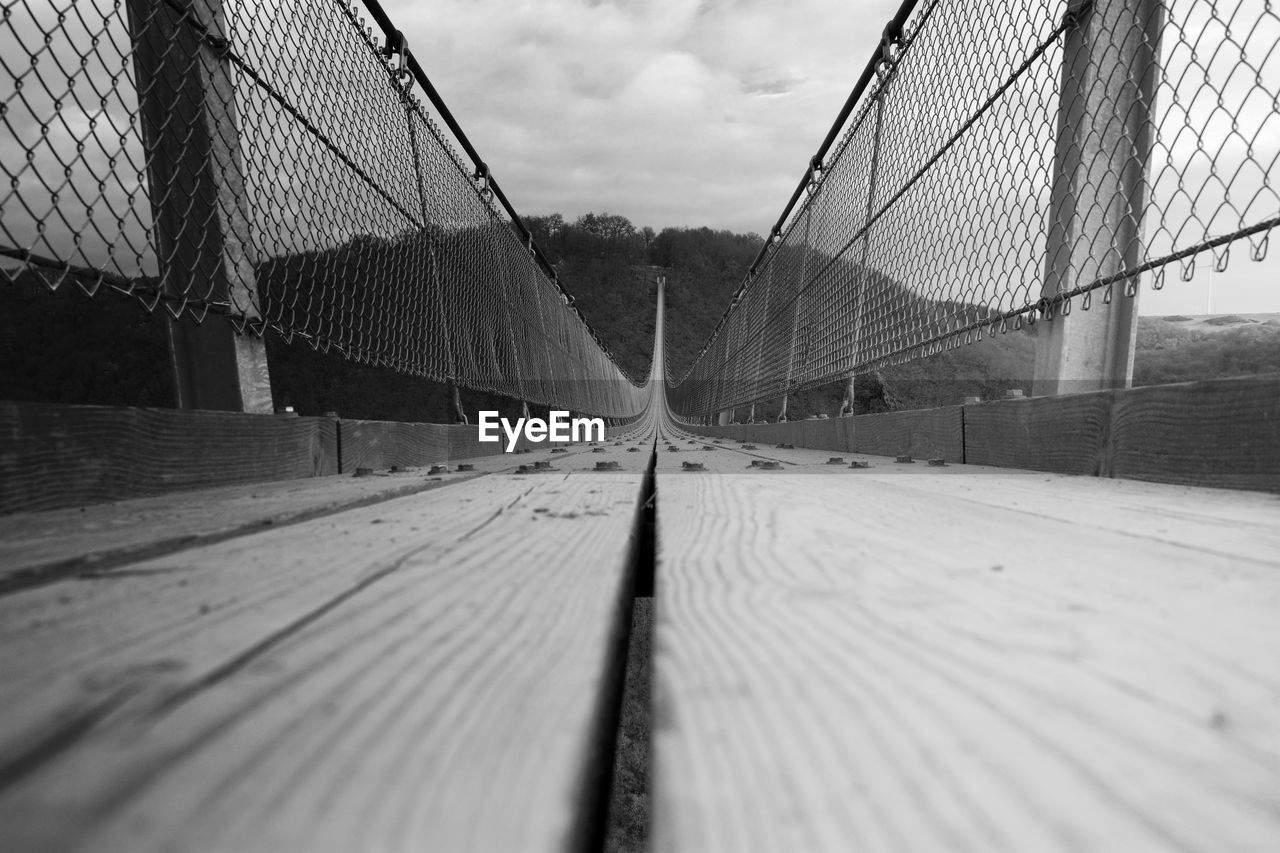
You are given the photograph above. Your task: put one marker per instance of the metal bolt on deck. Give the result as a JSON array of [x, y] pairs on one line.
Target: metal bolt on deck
[[558, 450], [608, 466], [786, 446], [748, 447], [938, 463], [765, 464], [693, 466], [438, 469], [466, 466], [859, 464], [363, 472], [542, 465], [836, 460], [905, 459]]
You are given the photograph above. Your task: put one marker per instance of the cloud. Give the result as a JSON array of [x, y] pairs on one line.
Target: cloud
[[667, 112]]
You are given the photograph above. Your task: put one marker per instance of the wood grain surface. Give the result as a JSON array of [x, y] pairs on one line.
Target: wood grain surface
[[1224, 433], [953, 660], [381, 444], [56, 456], [926, 433], [39, 547], [1067, 434], [427, 673]]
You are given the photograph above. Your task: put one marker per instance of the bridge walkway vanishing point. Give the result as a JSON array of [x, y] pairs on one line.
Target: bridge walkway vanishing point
[[903, 657], [214, 638]]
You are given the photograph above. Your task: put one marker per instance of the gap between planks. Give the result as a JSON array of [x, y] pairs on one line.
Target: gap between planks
[[398, 685]]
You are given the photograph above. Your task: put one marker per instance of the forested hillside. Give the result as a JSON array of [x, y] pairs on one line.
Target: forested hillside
[[62, 347], [610, 266]]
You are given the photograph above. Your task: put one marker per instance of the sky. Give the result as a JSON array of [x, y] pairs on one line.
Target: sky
[[668, 112], [682, 112]]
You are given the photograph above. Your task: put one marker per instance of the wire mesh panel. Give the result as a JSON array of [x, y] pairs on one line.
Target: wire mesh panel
[[273, 163], [1003, 163]]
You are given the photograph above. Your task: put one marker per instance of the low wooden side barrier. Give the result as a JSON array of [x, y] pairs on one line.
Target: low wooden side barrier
[[1223, 433], [54, 456]]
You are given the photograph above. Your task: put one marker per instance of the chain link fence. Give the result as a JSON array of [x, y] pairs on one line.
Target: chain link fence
[[276, 164], [1003, 162]]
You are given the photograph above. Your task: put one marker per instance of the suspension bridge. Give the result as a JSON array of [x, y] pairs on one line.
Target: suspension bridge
[[1041, 623]]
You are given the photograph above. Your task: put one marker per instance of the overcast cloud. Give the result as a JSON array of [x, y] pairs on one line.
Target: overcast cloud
[[668, 112]]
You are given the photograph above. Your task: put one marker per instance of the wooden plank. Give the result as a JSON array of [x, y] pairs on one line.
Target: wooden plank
[[464, 443], [44, 546], [922, 433], [1067, 434], [864, 663], [429, 673], [56, 456], [819, 433], [1187, 516], [1221, 433], [1224, 433], [381, 444], [925, 433], [41, 547]]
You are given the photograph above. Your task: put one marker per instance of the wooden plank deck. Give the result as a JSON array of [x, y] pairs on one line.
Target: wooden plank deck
[[909, 658], [430, 672], [900, 657], [36, 547]]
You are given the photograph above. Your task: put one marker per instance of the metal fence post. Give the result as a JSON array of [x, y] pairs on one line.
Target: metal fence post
[[1101, 159], [798, 302], [196, 184], [863, 279]]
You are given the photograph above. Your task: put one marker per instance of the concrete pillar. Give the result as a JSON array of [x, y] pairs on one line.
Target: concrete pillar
[[1109, 76], [196, 186]]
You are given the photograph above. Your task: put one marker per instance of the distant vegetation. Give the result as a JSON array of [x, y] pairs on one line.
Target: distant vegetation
[[610, 267], [62, 347], [1178, 349]]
